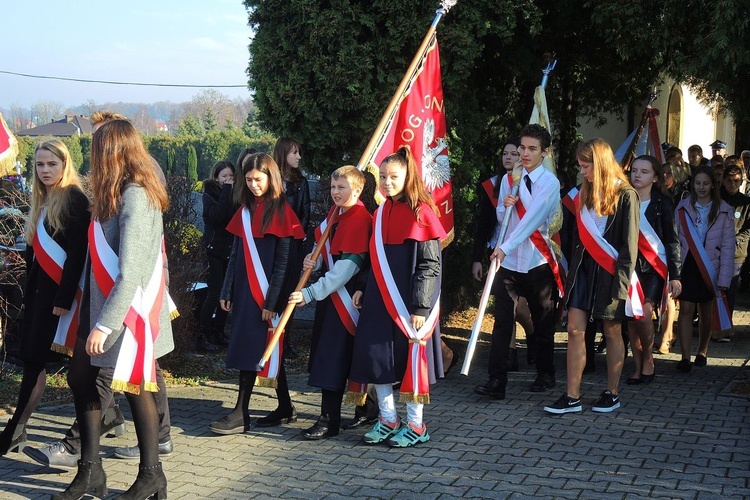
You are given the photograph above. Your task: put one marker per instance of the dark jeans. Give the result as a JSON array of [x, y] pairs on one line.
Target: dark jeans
[[732, 294], [539, 289], [217, 268], [72, 440]]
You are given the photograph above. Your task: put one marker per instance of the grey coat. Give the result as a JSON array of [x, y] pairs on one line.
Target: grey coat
[[135, 234]]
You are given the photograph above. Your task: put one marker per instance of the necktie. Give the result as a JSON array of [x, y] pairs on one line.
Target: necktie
[[528, 183]]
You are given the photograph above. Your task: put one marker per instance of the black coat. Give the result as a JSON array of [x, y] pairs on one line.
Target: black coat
[[42, 294], [660, 214], [298, 196], [622, 233], [217, 212], [741, 205]]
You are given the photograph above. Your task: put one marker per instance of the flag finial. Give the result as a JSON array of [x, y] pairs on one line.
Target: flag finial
[[447, 4]]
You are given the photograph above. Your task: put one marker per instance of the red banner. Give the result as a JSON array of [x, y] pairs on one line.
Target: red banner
[[419, 123]]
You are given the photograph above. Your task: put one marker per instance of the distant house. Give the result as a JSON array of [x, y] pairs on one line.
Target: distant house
[[67, 127]]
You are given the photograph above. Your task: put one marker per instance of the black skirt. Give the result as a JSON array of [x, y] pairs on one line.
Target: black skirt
[[694, 289], [583, 292], [652, 285]]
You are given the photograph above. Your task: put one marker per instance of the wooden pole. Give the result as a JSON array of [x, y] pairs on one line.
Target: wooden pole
[[363, 162]]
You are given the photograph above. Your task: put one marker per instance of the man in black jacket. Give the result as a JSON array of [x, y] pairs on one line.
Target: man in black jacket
[[730, 192]]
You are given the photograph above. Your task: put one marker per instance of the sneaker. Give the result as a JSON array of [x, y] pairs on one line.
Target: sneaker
[[565, 404], [409, 435], [606, 403], [382, 431]]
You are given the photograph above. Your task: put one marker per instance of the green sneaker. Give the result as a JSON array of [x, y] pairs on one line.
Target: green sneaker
[[381, 432], [409, 436]]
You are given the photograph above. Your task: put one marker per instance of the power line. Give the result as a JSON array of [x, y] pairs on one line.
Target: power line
[[140, 84]]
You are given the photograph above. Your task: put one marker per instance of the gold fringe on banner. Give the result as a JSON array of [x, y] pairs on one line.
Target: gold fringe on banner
[[150, 387], [61, 349], [266, 382], [355, 398], [174, 314], [410, 397]]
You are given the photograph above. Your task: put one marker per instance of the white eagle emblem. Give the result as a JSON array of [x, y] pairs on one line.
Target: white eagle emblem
[[436, 168]]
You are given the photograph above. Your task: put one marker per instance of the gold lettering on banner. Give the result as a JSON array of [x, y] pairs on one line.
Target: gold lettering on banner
[[446, 207], [432, 102]]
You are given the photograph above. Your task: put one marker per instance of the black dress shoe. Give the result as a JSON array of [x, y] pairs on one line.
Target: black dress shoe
[[277, 417], [543, 383], [323, 428], [493, 388], [113, 421], [166, 449], [647, 379], [355, 422], [634, 381]]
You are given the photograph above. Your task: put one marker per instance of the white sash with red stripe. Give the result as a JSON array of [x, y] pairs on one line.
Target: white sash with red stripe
[[415, 387], [356, 392], [135, 364], [541, 244], [722, 320], [256, 279], [653, 250], [51, 258], [341, 299], [606, 256]]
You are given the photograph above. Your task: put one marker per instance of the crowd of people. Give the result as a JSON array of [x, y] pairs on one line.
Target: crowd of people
[[613, 251]]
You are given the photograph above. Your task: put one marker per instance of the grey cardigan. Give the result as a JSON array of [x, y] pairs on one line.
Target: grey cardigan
[[135, 234]]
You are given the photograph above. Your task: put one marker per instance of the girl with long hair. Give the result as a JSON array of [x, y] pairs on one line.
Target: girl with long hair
[[256, 290], [705, 226], [399, 316], [658, 262], [217, 212], [600, 273], [124, 294], [56, 226]]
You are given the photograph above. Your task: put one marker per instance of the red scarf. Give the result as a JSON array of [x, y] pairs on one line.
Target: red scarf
[[135, 364], [415, 387], [352, 236], [247, 227], [541, 244], [605, 255], [722, 319], [51, 258]]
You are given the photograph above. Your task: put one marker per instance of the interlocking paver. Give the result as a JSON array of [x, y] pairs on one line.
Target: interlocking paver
[[683, 436]]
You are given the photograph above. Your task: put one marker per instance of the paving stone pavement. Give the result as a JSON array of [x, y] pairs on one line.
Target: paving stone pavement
[[683, 436]]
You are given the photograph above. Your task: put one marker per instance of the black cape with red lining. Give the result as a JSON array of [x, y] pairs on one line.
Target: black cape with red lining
[[249, 332], [331, 346], [413, 251]]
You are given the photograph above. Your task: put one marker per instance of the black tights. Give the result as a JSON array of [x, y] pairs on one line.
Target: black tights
[[82, 380], [32, 388], [241, 409]]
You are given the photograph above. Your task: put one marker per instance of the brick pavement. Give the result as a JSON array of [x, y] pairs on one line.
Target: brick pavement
[[683, 436]]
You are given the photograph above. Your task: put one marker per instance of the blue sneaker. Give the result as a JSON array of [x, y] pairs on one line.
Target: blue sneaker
[[381, 431], [409, 435]]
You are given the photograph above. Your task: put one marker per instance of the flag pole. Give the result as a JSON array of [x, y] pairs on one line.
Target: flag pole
[[377, 136], [630, 152], [494, 266]]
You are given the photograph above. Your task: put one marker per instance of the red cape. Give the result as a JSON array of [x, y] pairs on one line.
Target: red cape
[[401, 224], [290, 226], [353, 231]]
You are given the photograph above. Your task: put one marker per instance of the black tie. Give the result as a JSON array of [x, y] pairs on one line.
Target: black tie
[[528, 183]]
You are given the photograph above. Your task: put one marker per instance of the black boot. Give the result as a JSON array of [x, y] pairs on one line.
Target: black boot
[[13, 438], [90, 476], [323, 428], [150, 483]]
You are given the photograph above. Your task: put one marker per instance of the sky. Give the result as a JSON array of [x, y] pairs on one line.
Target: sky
[[201, 42]]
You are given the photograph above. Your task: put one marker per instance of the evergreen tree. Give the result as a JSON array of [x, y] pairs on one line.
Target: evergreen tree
[[192, 165]]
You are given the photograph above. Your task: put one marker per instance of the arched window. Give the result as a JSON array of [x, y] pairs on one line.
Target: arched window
[[674, 115]]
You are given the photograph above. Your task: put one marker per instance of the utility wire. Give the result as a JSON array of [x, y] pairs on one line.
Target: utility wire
[[121, 83]]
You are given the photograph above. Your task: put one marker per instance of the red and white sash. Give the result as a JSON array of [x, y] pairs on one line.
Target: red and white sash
[[51, 258], [256, 279], [653, 250], [722, 320], [356, 392], [541, 244], [605, 255], [135, 364], [489, 188], [341, 299], [415, 387]]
